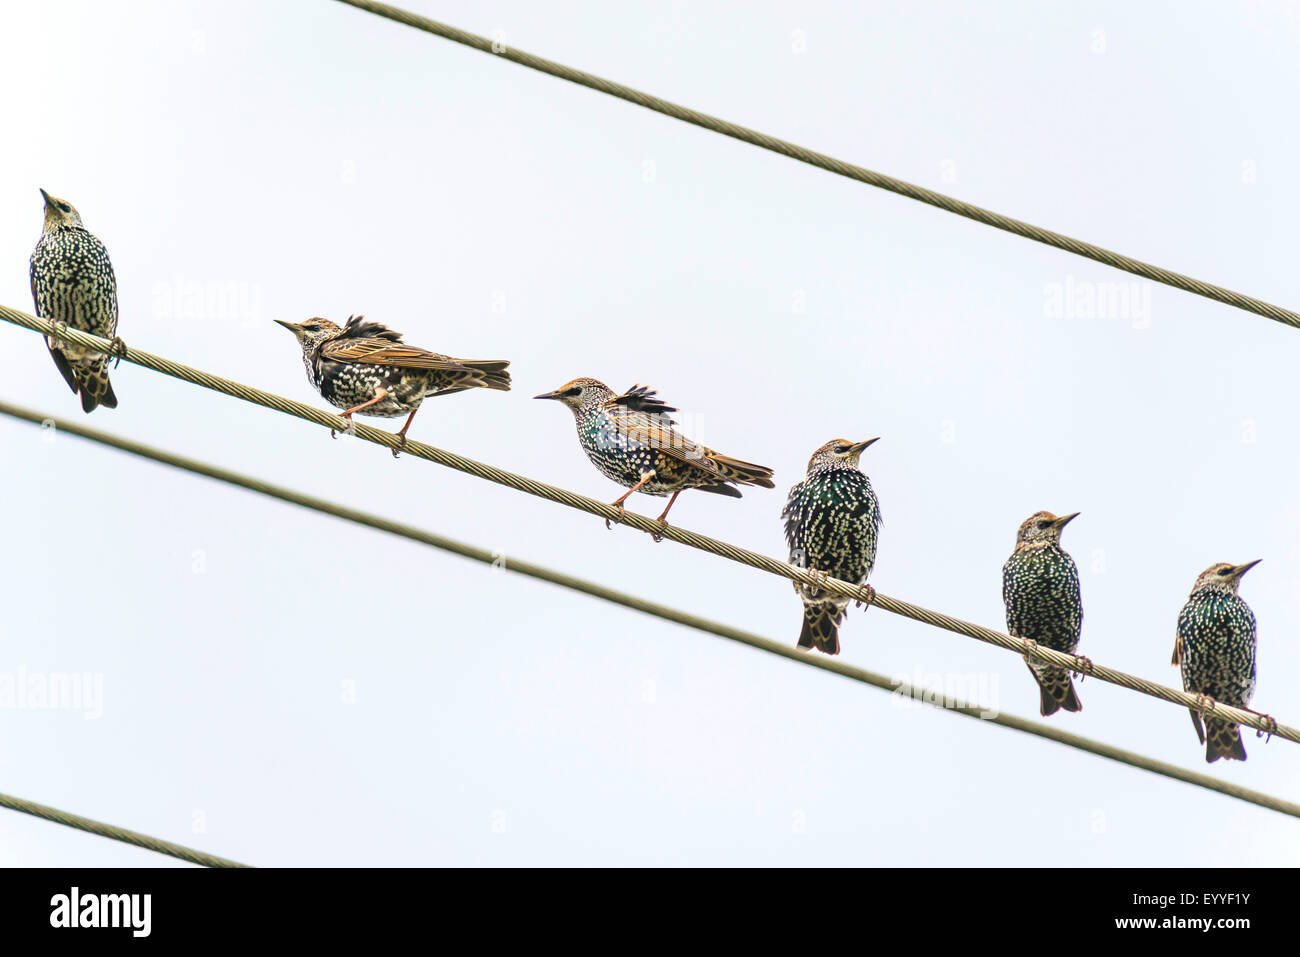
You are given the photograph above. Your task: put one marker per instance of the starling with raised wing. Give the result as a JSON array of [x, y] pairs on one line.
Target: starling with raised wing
[[1040, 587], [632, 440], [1215, 650], [365, 367], [832, 524], [73, 286]]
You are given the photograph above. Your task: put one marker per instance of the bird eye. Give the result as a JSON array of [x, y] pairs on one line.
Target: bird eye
[[65, 207], [575, 391], [1044, 524], [841, 449], [1223, 571]]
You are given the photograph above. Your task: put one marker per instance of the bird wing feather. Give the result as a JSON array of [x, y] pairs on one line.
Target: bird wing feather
[[385, 352], [655, 430]]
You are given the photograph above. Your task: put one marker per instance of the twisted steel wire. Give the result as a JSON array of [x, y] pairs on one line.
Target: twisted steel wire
[[804, 155], [865, 594], [115, 833], [655, 609]]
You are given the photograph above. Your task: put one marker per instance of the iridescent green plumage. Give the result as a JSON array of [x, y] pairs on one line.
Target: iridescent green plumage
[[1215, 650], [1040, 588], [832, 525]]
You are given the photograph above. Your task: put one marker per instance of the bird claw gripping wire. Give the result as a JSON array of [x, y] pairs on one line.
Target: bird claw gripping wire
[[401, 444], [818, 574], [117, 349], [1270, 726], [1085, 668], [868, 601], [1031, 647], [1204, 704], [351, 428], [617, 521]]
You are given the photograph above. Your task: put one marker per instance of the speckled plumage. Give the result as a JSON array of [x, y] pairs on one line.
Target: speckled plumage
[[73, 285], [832, 525], [631, 440], [1215, 650], [1040, 588], [365, 367]]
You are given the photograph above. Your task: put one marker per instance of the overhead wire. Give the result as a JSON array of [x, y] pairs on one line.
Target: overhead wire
[[497, 560], [499, 48]]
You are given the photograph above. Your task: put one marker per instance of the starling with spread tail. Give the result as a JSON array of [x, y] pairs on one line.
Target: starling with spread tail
[[632, 440], [1215, 650], [1040, 587], [74, 286], [365, 367], [832, 523]]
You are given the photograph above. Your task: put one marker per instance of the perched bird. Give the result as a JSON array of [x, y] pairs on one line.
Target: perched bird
[[1040, 587], [832, 523], [632, 440], [365, 367], [74, 286], [1215, 650]]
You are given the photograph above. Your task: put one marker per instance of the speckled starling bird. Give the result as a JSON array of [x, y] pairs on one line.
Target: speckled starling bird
[[1215, 648], [631, 439], [365, 367], [73, 285], [1040, 587], [832, 524]]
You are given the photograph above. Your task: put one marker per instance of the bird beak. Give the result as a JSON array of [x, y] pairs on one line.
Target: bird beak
[[288, 325], [547, 395], [1242, 569], [1065, 520], [859, 446], [49, 200]]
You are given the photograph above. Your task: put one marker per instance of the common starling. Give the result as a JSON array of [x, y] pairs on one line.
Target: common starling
[[365, 367], [73, 286], [1040, 587], [632, 440], [1215, 649], [832, 523]]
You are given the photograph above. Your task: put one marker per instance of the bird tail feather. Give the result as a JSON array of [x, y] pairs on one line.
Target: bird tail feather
[[65, 368], [492, 372], [1223, 740], [746, 473], [820, 630], [1056, 689], [96, 390]]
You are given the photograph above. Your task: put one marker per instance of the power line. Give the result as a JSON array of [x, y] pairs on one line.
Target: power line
[[115, 833], [654, 609], [829, 163], [866, 594]]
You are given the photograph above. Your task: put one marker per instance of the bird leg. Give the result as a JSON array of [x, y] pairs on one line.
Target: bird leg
[[1030, 647], [819, 575], [1270, 723], [117, 350], [401, 435], [868, 601], [663, 518], [1087, 667], [618, 502], [380, 396], [1204, 704]]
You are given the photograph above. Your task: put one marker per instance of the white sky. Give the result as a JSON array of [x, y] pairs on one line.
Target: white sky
[[302, 158]]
